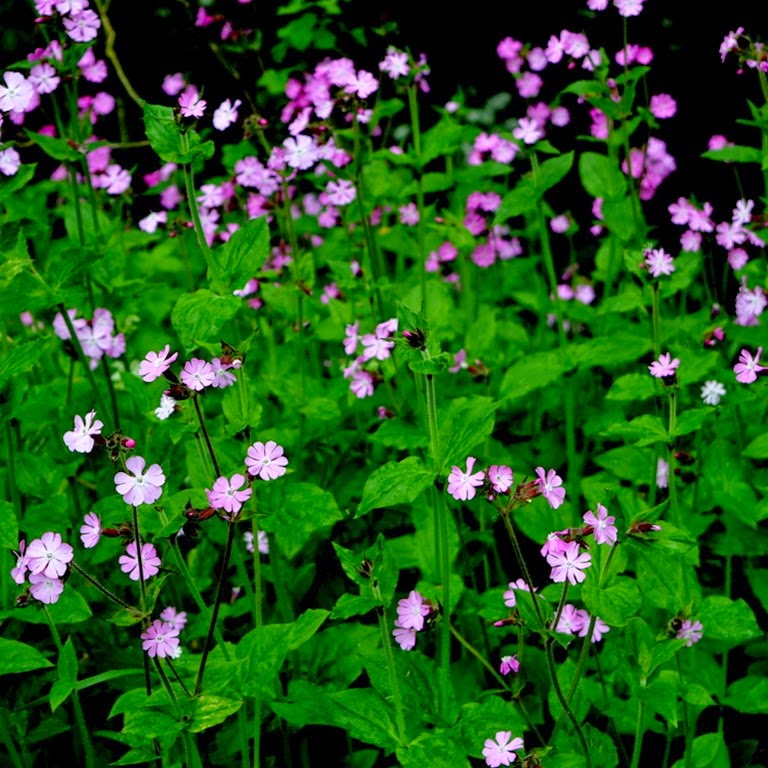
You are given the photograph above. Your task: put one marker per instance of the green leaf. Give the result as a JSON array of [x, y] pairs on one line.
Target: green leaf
[[551, 172], [444, 138], [296, 511], [9, 528], [735, 155], [728, 622], [353, 605], [16, 657], [58, 149], [67, 670], [263, 652], [464, 424], [632, 387], [532, 372], [691, 420], [757, 448], [165, 136], [601, 177], [244, 254], [644, 430], [433, 750], [394, 483], [749, 695], [609, 351], [209, 711], [615, 603], [11, 184], [200, 316], [431, 367], [519, 200], [306, 626], [709, 751]]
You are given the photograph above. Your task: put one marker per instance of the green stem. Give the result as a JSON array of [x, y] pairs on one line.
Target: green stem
[[560, 606], [216, 606], [82, 728], [413, 107], [638, 735], [206, 437], [75, 567], [10, 747], [688, 731]]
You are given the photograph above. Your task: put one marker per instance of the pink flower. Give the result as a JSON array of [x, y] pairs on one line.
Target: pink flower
[[527, 131], [45, 589], [405, 638], [690, 631], [501, 751], [501, 478], [150, 562], [411, 612], [263, 542], [155, 364], [461, 485], [351, 338], [160, 639], [10, 161], [19, 571], [17, 93], [223, 377], [747, 368], [190, 103], [266, 460], [82, 27], [80, 439], [198, 374], [341, 192], [510, 599], [509, 664], [663, 106], [659, 262], [549, 482], [554, 543], [177, 619], [363, 84], [226, 494], [49, 555], [569, 564], [663, 367], [662, 473], [140, 487], [226, 114], [599, 630], [90, 531], [605, 531], [301, 152], [628, 8], [571, 620]]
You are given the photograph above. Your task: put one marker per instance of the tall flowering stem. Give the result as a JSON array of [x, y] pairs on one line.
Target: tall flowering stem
[[75, 567], [206, 437], [413, 107], [216, 606], [82, 728]]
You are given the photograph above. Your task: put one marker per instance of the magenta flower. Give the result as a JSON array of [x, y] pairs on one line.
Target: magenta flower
[[90, 531], [150, 562], [597, 633], [510, 599], [225, 114], [663, 367], [190, 103], [82, 27], [405, 638], [140, 487], [155, 364], [501, 478], [604, 530], [226, 494], [411, 612], [263, 542], [177, 619], [222, 376], [266, 460], [45, 589], [501, 751], [569, 564], [461, 485], [571, 620], [80, 439], [691, 631], [659, 262], [160, 639], [555, 543], [17, 94], [198, 374], [550, 485], [663, 106], [747, 368], [509, 664], [49, 555]]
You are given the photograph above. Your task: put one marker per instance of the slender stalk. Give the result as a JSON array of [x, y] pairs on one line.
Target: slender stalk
[[80, 724], [413, 108], [688, 731], [75, 567], [216, 606], [560, 606], [206, 437], [5, 737], [638, 735]]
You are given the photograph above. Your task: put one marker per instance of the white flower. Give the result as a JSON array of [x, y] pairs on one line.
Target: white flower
[[711, 392]]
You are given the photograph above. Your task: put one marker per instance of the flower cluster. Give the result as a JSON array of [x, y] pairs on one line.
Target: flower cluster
[[412, 612], [96, 336], [375, 346], [45, 563], [161, 638]]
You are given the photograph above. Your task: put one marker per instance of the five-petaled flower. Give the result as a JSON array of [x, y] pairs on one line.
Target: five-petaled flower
[[49, 555], [690, 631], [140, 487], [90, 530], [747, 368], [659, 262], [411, 611], [502, 750], [226, 494], [150, 562], [266, 460], [461, 485], [160, 639], [198, 374], [155, 364], [604, 530], [663, 367], [80, 439], [569, 564], [550, 484]]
